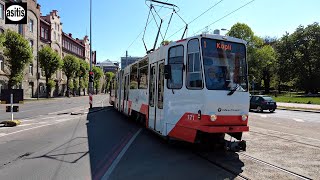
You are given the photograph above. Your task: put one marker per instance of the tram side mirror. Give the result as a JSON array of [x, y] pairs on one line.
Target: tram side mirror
[[167, 71]]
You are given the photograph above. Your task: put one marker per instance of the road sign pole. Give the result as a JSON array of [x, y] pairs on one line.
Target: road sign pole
[[11, 101]]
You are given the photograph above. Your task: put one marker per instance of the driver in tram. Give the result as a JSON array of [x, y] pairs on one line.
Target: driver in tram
[[215, 78]]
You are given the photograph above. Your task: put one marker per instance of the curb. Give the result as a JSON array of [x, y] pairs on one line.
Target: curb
[[302, 110]]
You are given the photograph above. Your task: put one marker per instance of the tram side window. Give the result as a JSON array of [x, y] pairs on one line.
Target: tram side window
[[176, 62], [160, 86], [143, 74], [194, 68], [152, 86], [116, 87], [133, 76]]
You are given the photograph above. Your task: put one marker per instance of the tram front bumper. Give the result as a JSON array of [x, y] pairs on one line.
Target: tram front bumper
[[223, 129]]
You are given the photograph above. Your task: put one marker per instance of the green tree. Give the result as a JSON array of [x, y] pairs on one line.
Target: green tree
[[82, 74], [50, 62], [266, 57], [70, 68], [19, 54], [284, 48], [109, 76], [98, 73]]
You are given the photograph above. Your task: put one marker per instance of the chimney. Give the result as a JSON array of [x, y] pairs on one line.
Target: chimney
[[70, 35], [77, 39], [55, 12]]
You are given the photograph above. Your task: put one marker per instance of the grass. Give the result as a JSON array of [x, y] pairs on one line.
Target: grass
[[297, 99]]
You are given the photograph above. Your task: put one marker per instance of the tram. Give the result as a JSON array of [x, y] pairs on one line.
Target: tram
[[192, 90]]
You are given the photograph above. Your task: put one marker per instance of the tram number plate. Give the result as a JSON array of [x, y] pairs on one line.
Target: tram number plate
[[190, 117]]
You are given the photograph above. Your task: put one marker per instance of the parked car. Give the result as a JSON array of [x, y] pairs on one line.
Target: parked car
[[262, 102]]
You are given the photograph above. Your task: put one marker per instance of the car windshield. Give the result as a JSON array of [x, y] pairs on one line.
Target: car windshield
[[224, 65], [267, 98]]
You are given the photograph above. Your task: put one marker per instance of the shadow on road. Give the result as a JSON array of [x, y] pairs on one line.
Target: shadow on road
[[107, 131]]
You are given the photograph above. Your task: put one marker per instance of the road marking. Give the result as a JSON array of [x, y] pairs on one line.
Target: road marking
[[2, 135], [24, 125], [57, 112], [298, 120], [117, 160], [263, 115]]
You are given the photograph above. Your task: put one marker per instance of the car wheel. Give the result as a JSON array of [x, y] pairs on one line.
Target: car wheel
[[259, 109], [271, 110]]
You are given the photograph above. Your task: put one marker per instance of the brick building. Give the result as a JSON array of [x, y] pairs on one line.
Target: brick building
[[30, 32], [40, 31]]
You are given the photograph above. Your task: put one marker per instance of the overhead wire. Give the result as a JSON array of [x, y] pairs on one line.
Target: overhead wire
[[225, 16], [197, 17], [143, 29]]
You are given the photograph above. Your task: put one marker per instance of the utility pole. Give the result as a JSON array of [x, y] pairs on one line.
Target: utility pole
[[90, 42]]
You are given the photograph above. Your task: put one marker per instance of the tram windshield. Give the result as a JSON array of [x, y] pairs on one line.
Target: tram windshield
[[224, 65]]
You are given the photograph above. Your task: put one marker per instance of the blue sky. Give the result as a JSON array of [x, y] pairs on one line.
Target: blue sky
[[116, 24]]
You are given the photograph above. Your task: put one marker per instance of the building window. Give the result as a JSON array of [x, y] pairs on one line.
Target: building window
[[31, 25], [58, 37], [1, 11], [31, 43], [1, 63], [46, 34], [42, 32], [55, 36], [21, 29], [31, 69]]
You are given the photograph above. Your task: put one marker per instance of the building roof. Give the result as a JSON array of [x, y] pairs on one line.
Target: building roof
[[107, 63]]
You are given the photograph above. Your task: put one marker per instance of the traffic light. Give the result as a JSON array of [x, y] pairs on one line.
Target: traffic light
[[91, 76]]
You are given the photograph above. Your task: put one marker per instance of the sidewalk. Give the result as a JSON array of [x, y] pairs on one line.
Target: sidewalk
[[299, 107]]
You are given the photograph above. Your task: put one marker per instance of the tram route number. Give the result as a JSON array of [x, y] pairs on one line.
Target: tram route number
[[190, 117]]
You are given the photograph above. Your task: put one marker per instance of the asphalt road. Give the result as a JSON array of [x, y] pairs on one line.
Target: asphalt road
[[106, 145], [43, 107]]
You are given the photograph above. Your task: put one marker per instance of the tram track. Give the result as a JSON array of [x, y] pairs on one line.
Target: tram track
[[221, 166], [275, 166], [224, 167], [271, 135]]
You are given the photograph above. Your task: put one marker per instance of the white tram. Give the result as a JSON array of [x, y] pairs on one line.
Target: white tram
[[191, 89]]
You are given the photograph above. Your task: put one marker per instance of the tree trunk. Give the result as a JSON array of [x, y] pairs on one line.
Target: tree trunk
[[47, 83], [68, 90], [79, 86]]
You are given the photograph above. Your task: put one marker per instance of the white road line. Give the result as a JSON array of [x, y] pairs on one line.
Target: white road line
[[298, 120], [117, 160], [24, 125], [2, 135], [263, 115]]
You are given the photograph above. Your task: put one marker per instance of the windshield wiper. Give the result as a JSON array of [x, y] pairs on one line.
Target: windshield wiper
[[233, 90]]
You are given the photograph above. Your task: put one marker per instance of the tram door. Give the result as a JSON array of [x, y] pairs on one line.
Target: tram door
[[156, 96], [126, 93]]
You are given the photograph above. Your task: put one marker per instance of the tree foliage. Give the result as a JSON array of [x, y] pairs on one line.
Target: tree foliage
[[98, 73], [19, 54], [70, 68], [50, 62]]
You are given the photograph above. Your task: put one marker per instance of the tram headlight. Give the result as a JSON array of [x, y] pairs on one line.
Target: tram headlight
[[244, 117], [213, 117]]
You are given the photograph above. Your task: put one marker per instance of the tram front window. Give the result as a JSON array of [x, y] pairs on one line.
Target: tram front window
[[224, 65]]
